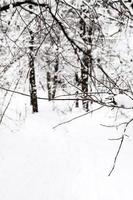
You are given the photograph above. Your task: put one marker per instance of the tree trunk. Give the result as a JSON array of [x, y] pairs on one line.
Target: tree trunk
[[77, 82], [55, 76], [49, 85], [52, 74], [85, 66], [32, 80], [86, 62]]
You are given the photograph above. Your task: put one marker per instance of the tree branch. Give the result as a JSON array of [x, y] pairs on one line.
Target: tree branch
[[20, 3], [117, 154], [79, 116]]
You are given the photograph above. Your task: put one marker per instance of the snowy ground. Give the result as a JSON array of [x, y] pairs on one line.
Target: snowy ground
[[70, 162]]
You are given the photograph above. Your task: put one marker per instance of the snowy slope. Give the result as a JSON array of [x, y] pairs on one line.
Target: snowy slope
[[69, 162]]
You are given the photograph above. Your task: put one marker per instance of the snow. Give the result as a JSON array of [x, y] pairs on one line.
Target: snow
[[71, 161], [42, 160], [124, 100]]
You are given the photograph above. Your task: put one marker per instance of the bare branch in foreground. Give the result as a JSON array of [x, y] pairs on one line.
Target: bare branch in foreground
[[117, 138], [6, 108], [117, 154], [79, 116], [103, 104], [127, 124]]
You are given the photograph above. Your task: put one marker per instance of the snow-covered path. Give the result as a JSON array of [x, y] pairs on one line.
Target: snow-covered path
[[69, 162]]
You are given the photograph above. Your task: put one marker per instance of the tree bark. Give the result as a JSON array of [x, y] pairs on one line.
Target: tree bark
[[86, 61], [32, 80]]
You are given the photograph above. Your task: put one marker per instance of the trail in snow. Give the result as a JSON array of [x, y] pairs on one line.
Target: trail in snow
[[69, 162]]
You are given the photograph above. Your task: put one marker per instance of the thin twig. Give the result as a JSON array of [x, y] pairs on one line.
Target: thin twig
[[6, 108], [112, 139], [127, 124], [70, 99], [117, 154], [79, 116]]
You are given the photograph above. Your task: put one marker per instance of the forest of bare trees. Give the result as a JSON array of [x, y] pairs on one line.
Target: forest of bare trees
[[77, 52], [68, 49]]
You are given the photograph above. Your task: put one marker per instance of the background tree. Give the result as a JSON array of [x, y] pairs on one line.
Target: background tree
[[75, 49]]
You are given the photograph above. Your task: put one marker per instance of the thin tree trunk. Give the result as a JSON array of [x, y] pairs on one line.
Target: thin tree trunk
[[52, 74], [55, 76], [85, 79], [77, 82], [49, 85], [86, 64], [32, 80]]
